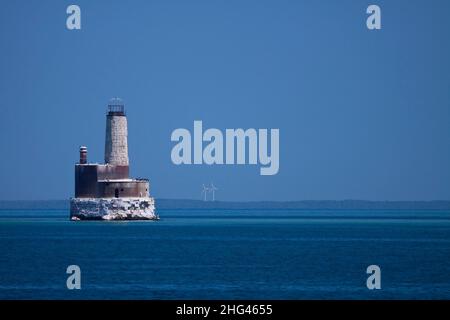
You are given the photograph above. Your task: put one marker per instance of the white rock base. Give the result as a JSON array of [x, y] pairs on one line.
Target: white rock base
[[112, 209]]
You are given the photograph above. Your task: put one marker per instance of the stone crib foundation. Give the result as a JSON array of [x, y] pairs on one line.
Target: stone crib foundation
[[112, 209]]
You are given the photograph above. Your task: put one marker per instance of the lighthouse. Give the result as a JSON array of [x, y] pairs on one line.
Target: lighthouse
[[105, 191], [116, 141]]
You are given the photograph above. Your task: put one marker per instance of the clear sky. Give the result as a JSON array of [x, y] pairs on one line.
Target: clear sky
[[362, 114]]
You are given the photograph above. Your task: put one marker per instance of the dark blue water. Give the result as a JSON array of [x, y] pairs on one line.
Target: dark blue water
[[224, 254]]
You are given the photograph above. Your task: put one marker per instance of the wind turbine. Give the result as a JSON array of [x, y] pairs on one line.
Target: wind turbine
[[213, 189], [204, 192]]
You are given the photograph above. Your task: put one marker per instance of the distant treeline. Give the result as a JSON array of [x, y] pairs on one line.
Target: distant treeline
[[198, 204]]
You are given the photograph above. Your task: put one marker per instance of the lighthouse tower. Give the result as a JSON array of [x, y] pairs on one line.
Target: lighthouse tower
[[105, 191], [116, 142]]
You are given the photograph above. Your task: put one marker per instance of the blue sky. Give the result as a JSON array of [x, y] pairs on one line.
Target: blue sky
[[362, 114]]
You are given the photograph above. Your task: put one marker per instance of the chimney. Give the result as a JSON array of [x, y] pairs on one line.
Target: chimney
[[83, 155]]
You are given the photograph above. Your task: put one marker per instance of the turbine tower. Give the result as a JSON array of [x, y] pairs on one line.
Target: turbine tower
[[213, 189], [205, 190]]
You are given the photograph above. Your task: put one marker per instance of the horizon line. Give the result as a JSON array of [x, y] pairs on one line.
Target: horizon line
[[250, 201]]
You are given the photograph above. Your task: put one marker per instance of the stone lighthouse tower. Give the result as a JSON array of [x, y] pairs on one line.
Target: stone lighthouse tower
[[116, 142], [105, 191]]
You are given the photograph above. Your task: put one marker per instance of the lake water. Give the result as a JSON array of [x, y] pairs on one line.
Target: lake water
[[227, 254]]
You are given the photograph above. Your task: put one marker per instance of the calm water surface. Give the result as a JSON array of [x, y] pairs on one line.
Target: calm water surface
[[227, 254]]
